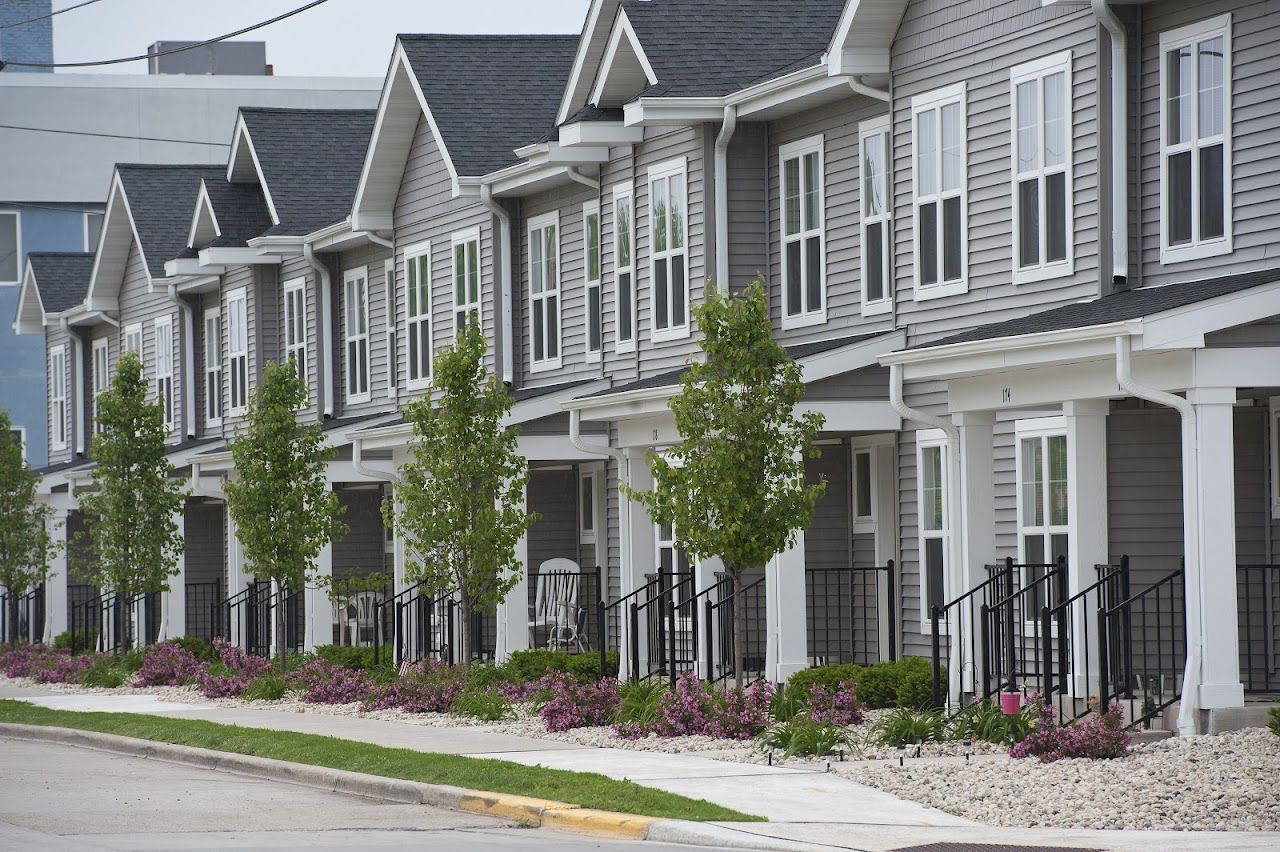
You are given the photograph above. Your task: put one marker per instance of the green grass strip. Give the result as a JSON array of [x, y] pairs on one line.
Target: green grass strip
[[586, 789]]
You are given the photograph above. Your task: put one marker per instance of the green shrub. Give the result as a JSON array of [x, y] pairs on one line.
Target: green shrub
[[482, 676], [131, 660], [905, 727], [63, 641], [524, 666], [915, 683], [203, 650], [639, 703], [802, 736], [985, 721], [481, 704], [1274, 720], [586, 667], [893, 683], [268, 687], [347, 656], [788, 703], [829, 677], [105, 672]]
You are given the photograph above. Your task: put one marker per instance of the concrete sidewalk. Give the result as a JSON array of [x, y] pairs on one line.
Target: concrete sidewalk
[[807, 806]]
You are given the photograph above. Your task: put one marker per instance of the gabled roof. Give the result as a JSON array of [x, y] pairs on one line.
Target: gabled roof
[[61, 279], [238, 212], [159, 202], [307, 162]]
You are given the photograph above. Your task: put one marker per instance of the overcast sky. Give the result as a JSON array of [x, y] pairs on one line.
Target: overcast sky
[[340, 37]]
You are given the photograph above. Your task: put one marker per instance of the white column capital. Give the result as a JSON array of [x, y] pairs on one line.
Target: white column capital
[[962, 419], [1212, 396], [1086, 407]]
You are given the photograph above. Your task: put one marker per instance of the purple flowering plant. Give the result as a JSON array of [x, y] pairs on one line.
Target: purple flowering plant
[[1101, 736], [168, 664], [322, 682]]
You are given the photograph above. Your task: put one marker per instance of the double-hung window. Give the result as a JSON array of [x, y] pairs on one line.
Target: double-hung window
[[58, 397], [466, 278], [133, 338], [295, 325], [941, 198], [213, 367], [931, 496], [1042, 238], [1043, 511], [624, 268], [544, 291], [1195, 158], [237, 351], [591, 265], [803, 281], [101, 376], [355, 284], [164, 369], [668, 254], [417, 272], [873, 140]]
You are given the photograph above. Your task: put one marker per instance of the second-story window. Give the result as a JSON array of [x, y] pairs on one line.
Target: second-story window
[[393, 352], [938, 120], [591, 263], [466, 278], [58, 397], [803, 287], [873, 138], [355, 302], [1195, 161], [417, 272], [101, 376], [624, 268], [237, 351], [295, 325], [133, 339], [668, 254], [544, 291], [1042, 209], [212, 367], [164, 369]]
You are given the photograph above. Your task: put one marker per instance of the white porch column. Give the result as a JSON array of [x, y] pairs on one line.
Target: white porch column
[[173, 603], [786, 648], [319, 608], [1088, 537], [977, 511], [513, 612], [637, 557], [55, 586], [235, 577], [704, 575], [1215, 582]]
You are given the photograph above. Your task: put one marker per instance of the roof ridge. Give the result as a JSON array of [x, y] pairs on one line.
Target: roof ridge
[[295, 110], [173, 166], [60, 254], [489, 36]]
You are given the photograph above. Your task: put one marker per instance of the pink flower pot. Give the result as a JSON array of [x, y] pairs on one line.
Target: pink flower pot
[[1010, 703]]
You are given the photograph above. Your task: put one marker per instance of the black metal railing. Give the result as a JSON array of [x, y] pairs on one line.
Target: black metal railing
[[247, 618], [1146, 637], [565, 609], [718, 604], [142, 619], [201, 606], [1011, 629], [1258, 601], [850, 614], [671, 622], [1071, 663], [95, 623], [416, 625], [30, 617], [955, 634], [620, 612]]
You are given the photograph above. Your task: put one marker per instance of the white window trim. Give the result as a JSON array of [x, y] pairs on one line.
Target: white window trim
[[236, 300], [22, 438], [1039, 428], [925, 439], [537, 223], [170, 410], [867, 130], [462, 238], [588, 536], [1273, 429], [59, 438], [357, 273], [592, 208], [211, 367], [792, 150], [392, 338], [863, 523], [132, 331], [1196, 250], [100, 357], [93, 246], [1037, 70], [923, 103], [667, 169], [17, 242], [299, 349], [620, 192], [411, 254]]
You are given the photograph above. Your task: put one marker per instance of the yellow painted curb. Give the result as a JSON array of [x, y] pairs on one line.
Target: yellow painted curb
[[600, 823], [522, 809]]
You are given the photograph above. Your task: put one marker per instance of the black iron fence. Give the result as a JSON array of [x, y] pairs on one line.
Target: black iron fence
[[247, 618], [107, 623], [1071, 664], [720, 613], [1258, 601], [357, 618], [416, 626], [1011, 629], [201, 606], [30, 617], [850, 614], [955, 637], [670, 618], [1144, 637]]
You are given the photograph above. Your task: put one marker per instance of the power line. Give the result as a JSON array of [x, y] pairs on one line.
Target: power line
[[113, 135], [142, 56], [50, 15]]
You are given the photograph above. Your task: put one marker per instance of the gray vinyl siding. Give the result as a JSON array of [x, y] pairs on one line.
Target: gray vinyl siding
[[749, 217], [930, 397], [140, 303], [298, 269], [979, 42], [234, 279], [204, 559], [828, 539], [266, 304], [362, 551], [57, 337], [866, 384], [837, 124], [1255, 137], [371, 258]]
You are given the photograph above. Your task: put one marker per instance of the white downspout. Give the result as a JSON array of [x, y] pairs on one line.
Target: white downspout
[[856, 83], [77, 404], [727, 128], [363, 468], [1119, 139], [1191, 574], [324, 323], [186, 351], [376, 239], [507, 327]]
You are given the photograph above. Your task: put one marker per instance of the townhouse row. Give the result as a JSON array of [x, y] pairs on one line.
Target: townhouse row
[[1022, 251]]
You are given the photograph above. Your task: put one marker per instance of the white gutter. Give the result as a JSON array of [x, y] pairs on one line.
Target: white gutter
[[188, 361], [324, 322], [727, 128], [1119, 139], [578, 177], [362, 467], [1192, 574], [861, 88], [376, 239], [507, 330], [575, 438]]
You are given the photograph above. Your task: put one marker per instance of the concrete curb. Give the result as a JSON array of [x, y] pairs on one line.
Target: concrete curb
[[522, 809]]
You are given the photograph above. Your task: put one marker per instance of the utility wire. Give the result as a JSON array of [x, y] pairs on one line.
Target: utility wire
[[50, 15], [142, 56], [113, 135]]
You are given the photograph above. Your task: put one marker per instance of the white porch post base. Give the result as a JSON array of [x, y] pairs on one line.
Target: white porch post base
[[319, 609], [55, 587], [513, 611], [704, 574], [1087, 540], [787, 645], [974, 521], [173, 603]]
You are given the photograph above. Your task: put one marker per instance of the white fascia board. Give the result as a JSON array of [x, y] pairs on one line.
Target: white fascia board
[[242, 132], [558, 155], [29, 291], [1185, 327], [526, 179], [774, 93], [854, 415], [855, 356], [187, 266], [662, 112], [201, 283], [116, 196], [621, 29], [575, 80], [226, 256], [864, 26], [202, 203], [586, 133]]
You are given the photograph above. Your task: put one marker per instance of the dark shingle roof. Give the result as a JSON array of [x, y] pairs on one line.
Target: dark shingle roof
[[61, 278], [714, 47], [1117, 307], [310, 160], [490, 94], [161, 199], [241, 211]]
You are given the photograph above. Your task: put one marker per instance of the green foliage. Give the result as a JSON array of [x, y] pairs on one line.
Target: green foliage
[[132, 517], [105, 672], [915, 683], [735, 487], [906, 727], [524, 666], [203, 650], [131, 660], [25, 543], [897, 683], [789, 703], [639, 704], [985, 721], [802, 736], [62, 641], [282, 504], [461, 497], [1273, 720], [481, 704], [268, 687], [829, 677], [340, 589]]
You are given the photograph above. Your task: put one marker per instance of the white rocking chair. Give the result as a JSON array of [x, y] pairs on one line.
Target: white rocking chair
[[555, 605]]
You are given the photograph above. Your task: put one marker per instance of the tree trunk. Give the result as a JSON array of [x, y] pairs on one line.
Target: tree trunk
[[464, 631], [739, 625], [12, 606], [281, 642]]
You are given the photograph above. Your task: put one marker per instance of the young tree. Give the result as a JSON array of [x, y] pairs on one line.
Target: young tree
[[735, 486], [25, 543], [462, 492], [284, 509], [131, 517]]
